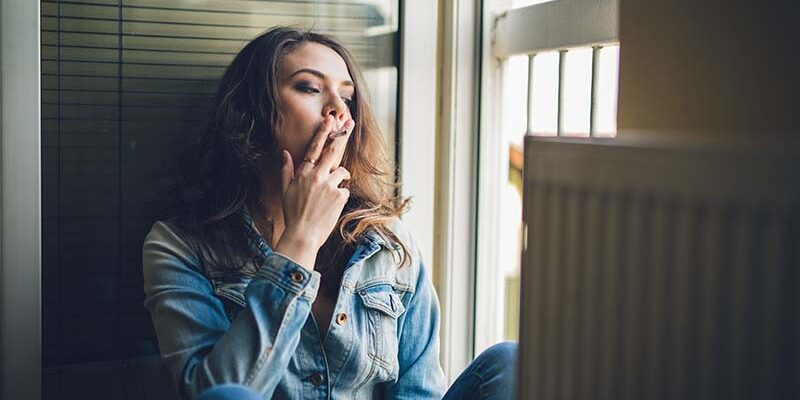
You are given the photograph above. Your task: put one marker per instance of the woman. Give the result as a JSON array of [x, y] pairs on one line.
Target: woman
[[284, 271]]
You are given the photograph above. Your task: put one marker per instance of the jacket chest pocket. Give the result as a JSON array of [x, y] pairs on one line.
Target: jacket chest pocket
[[230, 290], [383, 307]]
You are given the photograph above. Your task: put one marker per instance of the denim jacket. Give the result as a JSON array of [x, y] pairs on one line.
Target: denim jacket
[[258, 329]]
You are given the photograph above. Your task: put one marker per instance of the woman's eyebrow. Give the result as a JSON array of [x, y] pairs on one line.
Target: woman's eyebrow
[[318, 74]]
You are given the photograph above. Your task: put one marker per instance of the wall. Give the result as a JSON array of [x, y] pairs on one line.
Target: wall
[[724, 68]]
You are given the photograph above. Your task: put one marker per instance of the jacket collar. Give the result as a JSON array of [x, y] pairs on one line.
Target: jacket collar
[[371, 238]]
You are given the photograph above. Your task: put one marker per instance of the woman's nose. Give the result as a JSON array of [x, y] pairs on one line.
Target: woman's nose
[[338, 109]]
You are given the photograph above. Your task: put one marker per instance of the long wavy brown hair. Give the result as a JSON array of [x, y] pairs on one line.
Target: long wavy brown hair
[[219, 175]]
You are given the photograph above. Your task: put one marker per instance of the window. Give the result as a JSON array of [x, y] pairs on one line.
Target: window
[[571, 93], [555, 75]]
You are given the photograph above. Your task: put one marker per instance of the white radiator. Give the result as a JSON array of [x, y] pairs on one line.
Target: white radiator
[[660, 270]]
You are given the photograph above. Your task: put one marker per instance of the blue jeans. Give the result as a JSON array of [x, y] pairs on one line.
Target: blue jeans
[[229, 391], [490, 376]]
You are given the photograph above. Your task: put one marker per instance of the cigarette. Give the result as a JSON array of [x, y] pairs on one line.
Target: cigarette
[[335, 135]]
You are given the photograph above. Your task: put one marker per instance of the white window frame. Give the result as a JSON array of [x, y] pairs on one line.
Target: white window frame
[[555, 25], [438, 125], [457, 164], [417, 119], [20, 194]]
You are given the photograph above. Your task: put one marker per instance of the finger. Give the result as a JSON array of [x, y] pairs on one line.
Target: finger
[[345, 193], [317, 144], [338, 175], [332, 154], [339, 131], [287, 170]]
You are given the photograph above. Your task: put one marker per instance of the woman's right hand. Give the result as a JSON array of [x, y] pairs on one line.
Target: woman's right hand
[[312, 200]]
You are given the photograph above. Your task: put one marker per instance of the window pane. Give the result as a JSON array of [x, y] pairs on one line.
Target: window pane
[[510, 244], [514, 126], [607, 88], [577, 92], [544, 95], [515, 98]]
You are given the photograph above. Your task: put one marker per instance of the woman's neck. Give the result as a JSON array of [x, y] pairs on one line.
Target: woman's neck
[[269, 222]]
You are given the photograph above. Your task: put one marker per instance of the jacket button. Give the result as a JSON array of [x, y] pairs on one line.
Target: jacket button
[[297, 276], [341, 319], [316, 379]]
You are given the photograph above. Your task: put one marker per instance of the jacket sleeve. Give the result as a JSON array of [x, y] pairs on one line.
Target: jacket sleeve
[[197, 342], [420, 375]]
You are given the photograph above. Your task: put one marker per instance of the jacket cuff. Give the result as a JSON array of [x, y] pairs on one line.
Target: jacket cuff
[[287, 274]]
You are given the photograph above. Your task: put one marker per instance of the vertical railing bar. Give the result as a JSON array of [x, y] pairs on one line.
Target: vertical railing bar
[[562, 55], [594, 90], [529, 120]]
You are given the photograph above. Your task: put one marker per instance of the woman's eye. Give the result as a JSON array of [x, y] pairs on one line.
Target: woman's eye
[[312, 89], [308, 89]]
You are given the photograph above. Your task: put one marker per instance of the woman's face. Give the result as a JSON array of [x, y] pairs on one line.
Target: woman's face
[[313, 82]]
